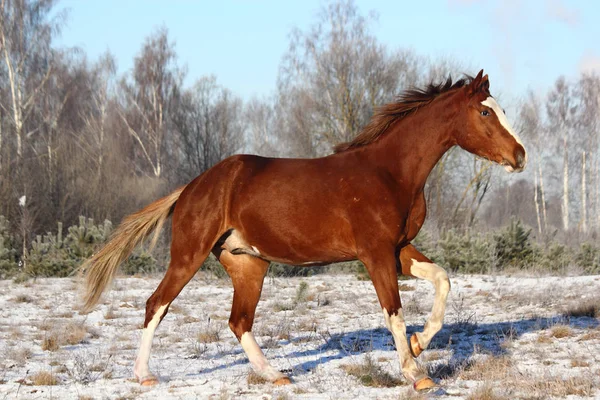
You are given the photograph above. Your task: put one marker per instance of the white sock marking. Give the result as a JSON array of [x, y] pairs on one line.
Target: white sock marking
[[396, 325], [438, 276], [257, 358], [141, 369]]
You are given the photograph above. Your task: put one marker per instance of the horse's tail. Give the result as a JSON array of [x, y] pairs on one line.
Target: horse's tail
[[99, 270]]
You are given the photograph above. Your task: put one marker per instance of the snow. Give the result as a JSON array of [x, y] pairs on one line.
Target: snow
[[338, 323]]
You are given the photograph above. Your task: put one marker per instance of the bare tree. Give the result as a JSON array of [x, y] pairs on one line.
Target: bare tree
[[561, 112], [147, 96], [26, 32], [260, 117], [588, 122], [207, 119], [337, 72]]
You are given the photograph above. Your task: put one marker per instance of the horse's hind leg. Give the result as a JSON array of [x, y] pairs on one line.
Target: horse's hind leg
[[184, 264], [416, 264], [247, 275]]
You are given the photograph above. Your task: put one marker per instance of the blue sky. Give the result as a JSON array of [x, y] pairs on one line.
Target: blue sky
[[521, 44]]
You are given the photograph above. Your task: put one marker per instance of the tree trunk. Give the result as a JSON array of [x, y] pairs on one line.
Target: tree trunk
[[565, 203], [543, 198], [583, 196], [535, 200]]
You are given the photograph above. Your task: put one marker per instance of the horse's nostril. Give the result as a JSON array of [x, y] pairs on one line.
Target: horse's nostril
[[520, 158]]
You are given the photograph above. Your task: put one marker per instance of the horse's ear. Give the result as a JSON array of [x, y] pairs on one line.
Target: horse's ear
[[485, 84], [478, 83]]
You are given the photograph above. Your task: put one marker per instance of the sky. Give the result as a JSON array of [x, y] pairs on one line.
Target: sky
[[521, 44]]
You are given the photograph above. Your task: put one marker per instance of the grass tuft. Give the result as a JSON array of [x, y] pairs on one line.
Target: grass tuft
[[484, 392], [589, 308], [561, 331], [370, 374], [255, 379], [50, 342], [43, 378]]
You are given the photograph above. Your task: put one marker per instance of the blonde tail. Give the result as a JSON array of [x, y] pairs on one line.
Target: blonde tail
[[100, 269]]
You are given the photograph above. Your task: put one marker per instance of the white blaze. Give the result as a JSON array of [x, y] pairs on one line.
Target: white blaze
[[491, 103]]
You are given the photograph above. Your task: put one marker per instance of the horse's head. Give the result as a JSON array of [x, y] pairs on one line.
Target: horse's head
[[485, 131]]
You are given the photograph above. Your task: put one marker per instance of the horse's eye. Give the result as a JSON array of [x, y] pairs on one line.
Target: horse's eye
[[485, 113]]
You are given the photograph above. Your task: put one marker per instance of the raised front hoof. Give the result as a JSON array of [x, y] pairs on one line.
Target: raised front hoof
[[424, 384], [415, 347], [282, 381], [148, 380]]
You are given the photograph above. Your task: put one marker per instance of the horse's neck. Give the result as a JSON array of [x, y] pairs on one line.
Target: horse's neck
[[416, 143]]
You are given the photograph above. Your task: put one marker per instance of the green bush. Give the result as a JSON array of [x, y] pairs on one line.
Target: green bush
[[464, 253], [588, 257], [53, 255], [8, 251], [554, 257], [513, 246]]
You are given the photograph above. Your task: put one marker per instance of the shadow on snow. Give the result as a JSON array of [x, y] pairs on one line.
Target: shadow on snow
[[462, 339]]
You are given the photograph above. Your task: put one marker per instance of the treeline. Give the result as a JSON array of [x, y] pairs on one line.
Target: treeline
[[508, 249], [76, 139]]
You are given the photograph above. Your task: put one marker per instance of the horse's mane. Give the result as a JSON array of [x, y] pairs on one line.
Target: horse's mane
[[408, 101]]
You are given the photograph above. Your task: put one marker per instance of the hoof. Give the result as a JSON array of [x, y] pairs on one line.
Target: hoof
[[149, 380], [282, 381], [424, 384], [415, 347]]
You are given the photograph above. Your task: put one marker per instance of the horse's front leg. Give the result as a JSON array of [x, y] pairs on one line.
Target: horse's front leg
[[381, 265], [416, 264]]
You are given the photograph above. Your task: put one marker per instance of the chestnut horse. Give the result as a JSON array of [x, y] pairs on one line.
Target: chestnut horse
[[363, 202]]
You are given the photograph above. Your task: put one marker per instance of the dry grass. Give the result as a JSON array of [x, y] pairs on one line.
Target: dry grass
[[210, 334], [43, 378], [491, 368], [75, 333], [255, 379], [544, 339], [561, 331], [411, 394], [588, 308], [111, 314], [19, 355], [370, 374], [579, 363], [22, 298], [70, 334], [595, 334], [50, 342], [484, 392], [557, 387], [406, 288]]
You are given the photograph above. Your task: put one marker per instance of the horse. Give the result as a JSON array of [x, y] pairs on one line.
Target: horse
[[365, 201]]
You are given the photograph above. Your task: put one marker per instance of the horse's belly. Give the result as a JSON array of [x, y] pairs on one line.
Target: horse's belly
[[298, 250]]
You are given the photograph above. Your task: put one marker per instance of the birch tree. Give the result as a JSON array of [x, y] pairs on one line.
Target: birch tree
[[26, 32], [337, 72], [207, 119], [561, 112], [155, 81]]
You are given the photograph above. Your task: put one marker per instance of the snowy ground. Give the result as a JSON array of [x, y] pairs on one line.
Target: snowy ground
[[504, 337]]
